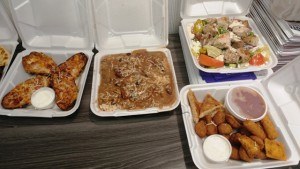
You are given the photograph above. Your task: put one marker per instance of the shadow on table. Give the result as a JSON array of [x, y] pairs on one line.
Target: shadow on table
[[7, 122], [184, 143], [129, 119]]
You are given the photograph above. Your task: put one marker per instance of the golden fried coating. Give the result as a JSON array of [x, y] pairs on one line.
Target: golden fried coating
[[254, 128], [219, 117], [20, 96], [269, 127], [244, 156], [209, 106], [4, 56], [275, 149], [226, 136], [224, 128], [200, 129], [234, 139], [208, 118], [249, 145], [74, 65], [261, 155], [232, 121], [38, 63], [259, 141], [65, 89], [193, 104], [235, 153], [211, 129], [244, 131]]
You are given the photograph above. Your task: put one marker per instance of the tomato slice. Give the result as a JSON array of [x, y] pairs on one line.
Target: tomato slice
[[257, 60], [209, 61]]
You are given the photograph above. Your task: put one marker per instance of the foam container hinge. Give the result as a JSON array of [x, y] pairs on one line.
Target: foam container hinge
[[8, 37], [193, 10], [126, 25], [57, 28]]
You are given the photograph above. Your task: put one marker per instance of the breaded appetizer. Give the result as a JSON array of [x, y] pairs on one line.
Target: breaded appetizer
[[20, 96], [201, 129], [275, 149], [244, 156], [74, 65], [269, 127], [193, 104], [38, 63], [65, 89], [249, 145], [254, 128]]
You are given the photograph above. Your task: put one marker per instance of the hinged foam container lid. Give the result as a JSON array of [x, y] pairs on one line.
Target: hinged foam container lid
[[7, 30], [129, 24], [53, 24], [284, 88], [213, 8]]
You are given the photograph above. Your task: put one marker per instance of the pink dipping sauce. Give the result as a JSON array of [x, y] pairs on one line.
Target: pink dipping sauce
[[247, 102]]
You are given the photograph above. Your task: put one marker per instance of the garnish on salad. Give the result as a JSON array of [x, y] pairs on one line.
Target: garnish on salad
[[230, 43]]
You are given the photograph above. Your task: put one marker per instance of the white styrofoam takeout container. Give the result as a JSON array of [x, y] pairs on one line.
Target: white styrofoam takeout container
[[193, 71], [57, 28], [282, 94], [124, 26], [193, 10], [8, 37]]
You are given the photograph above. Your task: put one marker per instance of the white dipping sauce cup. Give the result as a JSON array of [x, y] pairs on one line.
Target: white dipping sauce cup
[[43, 98]]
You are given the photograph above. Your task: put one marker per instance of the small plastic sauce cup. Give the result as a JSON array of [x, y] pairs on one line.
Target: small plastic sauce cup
[[245, 103], [43, 98], [217, 148]]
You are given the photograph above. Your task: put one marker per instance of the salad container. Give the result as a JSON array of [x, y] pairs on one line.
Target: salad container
[[191, 11]]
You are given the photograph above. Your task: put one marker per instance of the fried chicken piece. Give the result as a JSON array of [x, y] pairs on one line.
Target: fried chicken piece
[[74, 65], [38, 63], [65, 89], [20, 96]]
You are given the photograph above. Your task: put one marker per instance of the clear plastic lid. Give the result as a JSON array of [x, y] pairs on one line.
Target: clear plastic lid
[[53, 24], [7, 30], [209, 8], [284, 88], [127, 24]]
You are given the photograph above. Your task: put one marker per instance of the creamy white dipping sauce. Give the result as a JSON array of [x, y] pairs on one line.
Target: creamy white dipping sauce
[[43, 98], [217, 148]]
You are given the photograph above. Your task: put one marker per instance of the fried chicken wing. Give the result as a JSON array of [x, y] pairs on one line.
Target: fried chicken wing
[[20, 96], [65, 89], [38, 63], [74, 65]]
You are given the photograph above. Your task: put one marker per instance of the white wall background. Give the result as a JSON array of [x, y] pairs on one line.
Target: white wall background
[[174, 14]]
